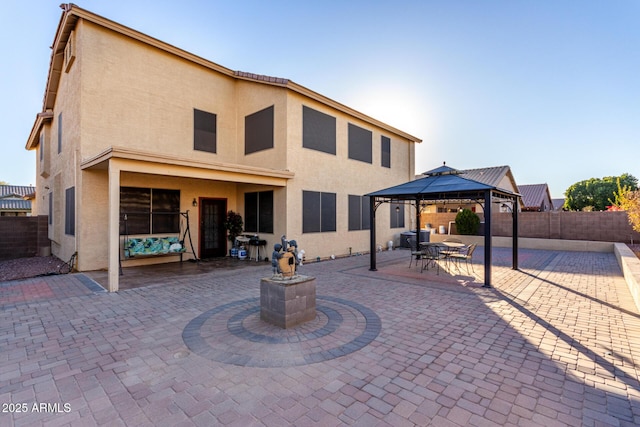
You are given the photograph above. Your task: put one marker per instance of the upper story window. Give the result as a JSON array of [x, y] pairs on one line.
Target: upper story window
[[41, 146], [360, 144], [204, 131], [258, 131], [59, 133], [385, 151], [318, 131]]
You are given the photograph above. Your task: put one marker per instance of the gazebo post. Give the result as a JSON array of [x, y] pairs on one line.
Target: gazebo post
[[372, 234], [514, 263], [487, 239], [417, 223]]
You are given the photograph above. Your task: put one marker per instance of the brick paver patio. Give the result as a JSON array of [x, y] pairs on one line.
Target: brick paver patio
[[555, 343]]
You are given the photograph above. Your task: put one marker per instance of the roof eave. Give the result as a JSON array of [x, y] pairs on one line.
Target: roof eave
[[34, 135]]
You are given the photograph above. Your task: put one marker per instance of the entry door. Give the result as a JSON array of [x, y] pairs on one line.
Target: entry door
[[213, 236]]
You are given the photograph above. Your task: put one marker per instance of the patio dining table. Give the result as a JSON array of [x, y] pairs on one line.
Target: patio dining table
[[440, 250]]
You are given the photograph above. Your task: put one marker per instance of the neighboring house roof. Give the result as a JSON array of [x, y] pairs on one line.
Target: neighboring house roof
[[558, 204], [15, 191], [73, 13], [536, 196], [492, 176], [13, 198], [15, 205]]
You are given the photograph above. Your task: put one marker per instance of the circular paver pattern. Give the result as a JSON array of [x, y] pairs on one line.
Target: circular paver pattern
[[233, 333]]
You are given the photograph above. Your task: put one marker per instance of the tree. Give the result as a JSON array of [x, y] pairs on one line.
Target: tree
[[629, 201], [467, 222], [596, 193]]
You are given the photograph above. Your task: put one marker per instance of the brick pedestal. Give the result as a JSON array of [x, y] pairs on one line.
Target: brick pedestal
[[289, 302]]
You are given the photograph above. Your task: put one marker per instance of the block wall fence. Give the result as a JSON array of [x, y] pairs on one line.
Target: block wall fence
[[594, 226], [23, 236]]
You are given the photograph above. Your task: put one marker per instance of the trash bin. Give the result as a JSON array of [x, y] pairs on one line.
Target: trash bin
[[406, 237]]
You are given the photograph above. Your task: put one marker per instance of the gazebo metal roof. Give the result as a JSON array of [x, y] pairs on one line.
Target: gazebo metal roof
[[443, 183], [446, 184]]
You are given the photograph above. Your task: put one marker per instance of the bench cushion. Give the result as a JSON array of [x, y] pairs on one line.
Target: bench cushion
[[153, 246]]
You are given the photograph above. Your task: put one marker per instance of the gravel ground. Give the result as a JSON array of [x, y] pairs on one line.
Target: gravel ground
[[23, 268]]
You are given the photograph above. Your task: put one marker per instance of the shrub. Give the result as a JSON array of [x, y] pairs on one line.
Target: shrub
[[467, 222]]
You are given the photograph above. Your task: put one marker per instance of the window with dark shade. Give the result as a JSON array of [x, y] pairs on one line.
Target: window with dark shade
[[251, 212], [360, 144], [385, 151], [149, 210], [310, 211], [265, 212], [318, 212], [318, 131], [358, 213], [70, 211], [59, 133], [204, 131], [258, 212], [328, 212], [258, 131], [165, 208], [50, 208]]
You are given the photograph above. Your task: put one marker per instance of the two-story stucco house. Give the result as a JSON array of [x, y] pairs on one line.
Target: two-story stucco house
[[135, 132]]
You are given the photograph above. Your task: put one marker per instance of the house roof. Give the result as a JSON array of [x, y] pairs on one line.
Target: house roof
[[534, 195], [557, 204], [492, 176], [72, 14], [15, 191], [17, 205]]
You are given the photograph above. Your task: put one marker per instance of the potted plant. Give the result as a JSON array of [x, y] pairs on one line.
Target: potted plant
[[234, 226]]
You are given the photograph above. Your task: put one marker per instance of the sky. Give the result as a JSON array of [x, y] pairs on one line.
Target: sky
[[549, 88]]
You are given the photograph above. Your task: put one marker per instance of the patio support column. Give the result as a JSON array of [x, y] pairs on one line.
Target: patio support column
[[113, 256], [487, 239], [372, 234], [514, 263]]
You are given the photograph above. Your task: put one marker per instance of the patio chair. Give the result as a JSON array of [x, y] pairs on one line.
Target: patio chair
[[415, 255], [431, 254], [465, 254]]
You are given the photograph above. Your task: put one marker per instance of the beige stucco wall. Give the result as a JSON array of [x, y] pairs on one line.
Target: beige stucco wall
[[61, 169], [135, 95], [323, 172], [124, 93]]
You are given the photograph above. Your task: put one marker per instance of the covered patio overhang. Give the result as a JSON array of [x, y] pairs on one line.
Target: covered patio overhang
[[446, 184], [117, 161]]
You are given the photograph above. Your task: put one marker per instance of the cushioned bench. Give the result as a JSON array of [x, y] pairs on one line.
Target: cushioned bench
[[153, 246]]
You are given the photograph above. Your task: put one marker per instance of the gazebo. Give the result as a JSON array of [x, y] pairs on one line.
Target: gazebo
[[446, 184]]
